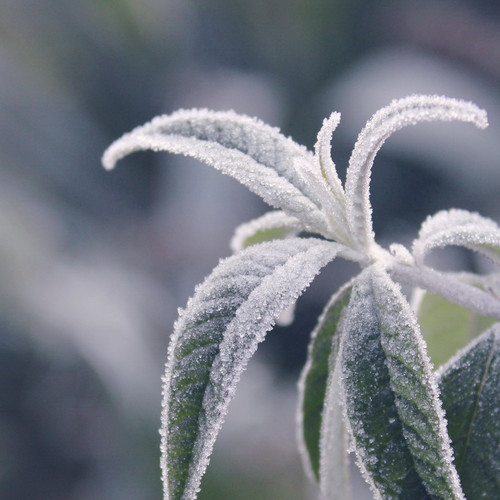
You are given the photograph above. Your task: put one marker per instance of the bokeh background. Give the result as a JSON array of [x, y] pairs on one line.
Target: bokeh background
[[94, 265]]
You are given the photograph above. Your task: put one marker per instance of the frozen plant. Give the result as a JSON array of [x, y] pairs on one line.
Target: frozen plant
[[368, 386]]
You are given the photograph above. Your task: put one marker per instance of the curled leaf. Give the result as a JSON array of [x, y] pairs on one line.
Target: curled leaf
[[254, 153], [400, 113], [458, 227], [271, 226]]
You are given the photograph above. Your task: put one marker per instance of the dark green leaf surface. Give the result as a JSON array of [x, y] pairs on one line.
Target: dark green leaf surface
[[470, 391], [213, 340], [315, 375], [391, 398]]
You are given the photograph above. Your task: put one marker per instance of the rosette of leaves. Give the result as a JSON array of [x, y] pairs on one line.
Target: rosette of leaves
[[368, 386]]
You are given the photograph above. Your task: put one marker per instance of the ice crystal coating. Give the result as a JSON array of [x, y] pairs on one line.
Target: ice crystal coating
[[322, 352], [271, 226], [255, 154], [392, 401], [400, 113], [458, 227], [213, 339]]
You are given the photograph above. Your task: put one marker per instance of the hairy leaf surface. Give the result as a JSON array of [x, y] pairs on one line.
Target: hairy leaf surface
[[470, 391], [322, 353], [254, 153], [391, 396], [213, 339]]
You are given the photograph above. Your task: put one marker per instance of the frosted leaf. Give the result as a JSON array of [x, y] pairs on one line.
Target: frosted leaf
[[336, 204], [400, 113], [451, 286], [312, 385], [391, 395], [329, 203], [335, 482], [271, 226], [213, 340], [446, 326], [322, 151], [458, 227], [255, 154], [470, 391]]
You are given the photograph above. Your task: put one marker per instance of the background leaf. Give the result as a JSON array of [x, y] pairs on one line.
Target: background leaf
[[270, 226], [447, 327], [213, 340], [322, 352], [470, 391], [391, 396]]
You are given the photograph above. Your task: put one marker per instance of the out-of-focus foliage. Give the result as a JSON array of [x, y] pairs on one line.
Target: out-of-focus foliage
[[89, 282]]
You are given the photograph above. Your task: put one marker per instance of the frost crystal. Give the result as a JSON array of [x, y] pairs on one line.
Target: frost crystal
[[458, 227]]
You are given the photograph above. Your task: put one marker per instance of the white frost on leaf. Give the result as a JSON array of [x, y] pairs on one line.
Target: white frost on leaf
[[272, 225], [458, 227], [400, 113], [382, 337], [219, 331], [334, 475], [451, 286], [328, 171], [239, 302], [245, 148]]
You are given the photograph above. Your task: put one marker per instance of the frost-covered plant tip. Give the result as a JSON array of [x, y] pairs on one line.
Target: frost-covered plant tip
[[368, 386]]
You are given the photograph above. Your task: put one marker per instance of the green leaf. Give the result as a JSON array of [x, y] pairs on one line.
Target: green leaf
[[322, 352], [447, 327], [470, 391], [391, 396], [275, 225], [213, 340]]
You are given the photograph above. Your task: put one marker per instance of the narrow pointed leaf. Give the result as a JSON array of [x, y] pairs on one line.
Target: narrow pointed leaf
[[322, 352], [274, 225], [391, 396], [213, 339], [470, 391], [400, 113], [447, 327], [323, 150], [254, 153], [458, 227]]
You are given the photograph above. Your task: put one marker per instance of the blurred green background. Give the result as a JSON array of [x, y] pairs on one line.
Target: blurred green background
[[93, 265]]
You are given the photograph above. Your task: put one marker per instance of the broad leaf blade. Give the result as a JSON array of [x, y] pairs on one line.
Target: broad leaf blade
[[470, 391], [213, 340], [255, 154], [322, 352], [391, 396]]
